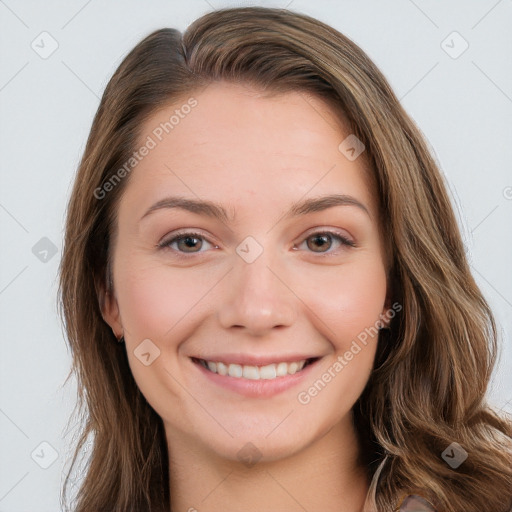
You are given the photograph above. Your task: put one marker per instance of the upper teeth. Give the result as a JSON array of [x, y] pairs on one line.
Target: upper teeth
[[270, 371]]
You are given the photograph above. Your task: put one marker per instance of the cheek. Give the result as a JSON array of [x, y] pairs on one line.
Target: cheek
[[163, 305], [155, 299], [344, 305], [345, 301]]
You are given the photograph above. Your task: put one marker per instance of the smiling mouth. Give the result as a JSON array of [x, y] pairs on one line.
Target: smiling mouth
[[267, 372]]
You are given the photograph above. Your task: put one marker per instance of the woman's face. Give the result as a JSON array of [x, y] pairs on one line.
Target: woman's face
[[267, 277]]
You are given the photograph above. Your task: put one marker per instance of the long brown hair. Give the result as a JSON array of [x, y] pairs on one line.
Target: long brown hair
[[433, 366]]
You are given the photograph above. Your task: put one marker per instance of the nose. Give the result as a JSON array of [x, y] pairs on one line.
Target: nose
[[258, 298]]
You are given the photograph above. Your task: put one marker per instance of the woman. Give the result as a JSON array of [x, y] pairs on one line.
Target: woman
[[260, 225]]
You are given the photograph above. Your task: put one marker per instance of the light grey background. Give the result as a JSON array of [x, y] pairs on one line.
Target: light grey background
[[463, 105]]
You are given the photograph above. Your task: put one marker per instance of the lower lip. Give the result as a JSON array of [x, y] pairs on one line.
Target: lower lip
[[257, 388]]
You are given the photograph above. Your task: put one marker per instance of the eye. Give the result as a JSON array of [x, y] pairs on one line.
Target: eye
[[188, 242], [193, 242], [322, 241]]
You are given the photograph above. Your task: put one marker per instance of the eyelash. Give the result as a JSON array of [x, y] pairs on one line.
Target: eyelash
[[192, 234]]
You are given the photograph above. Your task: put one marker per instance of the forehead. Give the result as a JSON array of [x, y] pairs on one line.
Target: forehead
[[239, 142]]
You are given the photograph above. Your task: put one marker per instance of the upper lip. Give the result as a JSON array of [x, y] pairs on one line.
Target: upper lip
[[254, 360]]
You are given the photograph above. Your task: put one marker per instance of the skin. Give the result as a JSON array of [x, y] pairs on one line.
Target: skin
[[256, 156]]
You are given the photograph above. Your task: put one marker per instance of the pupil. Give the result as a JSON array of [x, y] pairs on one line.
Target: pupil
[[320, 237], [190, 242]]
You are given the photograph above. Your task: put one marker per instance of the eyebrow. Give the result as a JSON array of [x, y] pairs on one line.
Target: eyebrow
[[217, 211]]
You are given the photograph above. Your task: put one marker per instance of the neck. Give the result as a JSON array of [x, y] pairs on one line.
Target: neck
[[326, 475]]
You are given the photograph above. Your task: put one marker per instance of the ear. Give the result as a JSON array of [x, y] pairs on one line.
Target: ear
[[110, 311]]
